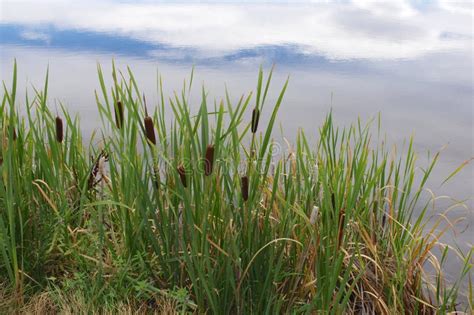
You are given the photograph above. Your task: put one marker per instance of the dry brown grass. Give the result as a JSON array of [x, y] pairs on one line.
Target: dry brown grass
[[47, 303]]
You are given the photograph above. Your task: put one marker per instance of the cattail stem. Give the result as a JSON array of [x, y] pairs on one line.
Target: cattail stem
[[59, 129], [245, 187], [150, 130], [119, 114], [182, 175], [156, 175], [209, 160], [340, 233]]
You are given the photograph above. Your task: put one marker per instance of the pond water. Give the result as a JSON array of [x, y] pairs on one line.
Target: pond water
[[411, 61]]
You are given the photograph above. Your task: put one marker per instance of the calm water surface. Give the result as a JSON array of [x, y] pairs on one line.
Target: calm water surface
[[411, 61]]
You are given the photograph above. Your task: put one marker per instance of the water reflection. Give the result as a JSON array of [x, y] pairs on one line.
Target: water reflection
[[335, 30]]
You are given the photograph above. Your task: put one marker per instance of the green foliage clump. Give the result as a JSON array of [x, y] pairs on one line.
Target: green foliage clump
[[206, 213]]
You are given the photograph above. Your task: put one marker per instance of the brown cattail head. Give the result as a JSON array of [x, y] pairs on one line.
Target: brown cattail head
[[13, 134], [59, 129], [384, 218], [209, 160], [333, 201], [255, 119], [119, 114], [182, 174], [150, 129], [245, 187], [6, 134]]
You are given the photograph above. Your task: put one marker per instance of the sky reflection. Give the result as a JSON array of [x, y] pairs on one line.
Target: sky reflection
[[334, 30]]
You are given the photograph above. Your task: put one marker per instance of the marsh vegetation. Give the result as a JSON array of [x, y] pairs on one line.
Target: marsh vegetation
[[204, 213]]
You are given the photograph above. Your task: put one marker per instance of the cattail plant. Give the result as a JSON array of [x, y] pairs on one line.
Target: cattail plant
[[253, 129], [245, 187], [298, 256], [182, 174], [209, 160], [333, 201], [340, 233], [150, 135], [149, 126], [384, 219], [13, 134], [59, 129], [255, 119], [119, 114], [150, 129], [156, 175], [253, 153]]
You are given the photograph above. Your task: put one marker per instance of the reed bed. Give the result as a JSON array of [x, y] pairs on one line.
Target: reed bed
[[199, 215]]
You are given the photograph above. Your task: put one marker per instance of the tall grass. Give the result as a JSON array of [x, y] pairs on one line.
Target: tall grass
[[200, 214]]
